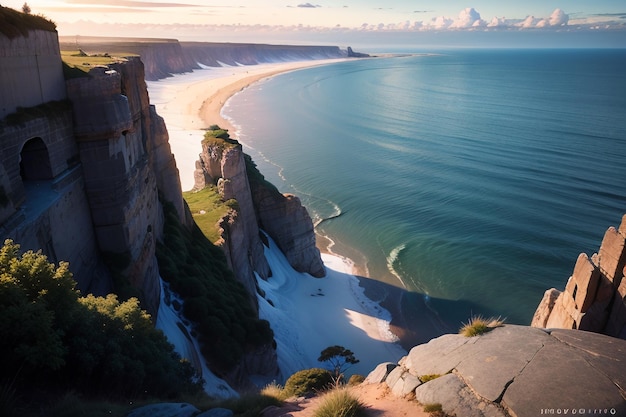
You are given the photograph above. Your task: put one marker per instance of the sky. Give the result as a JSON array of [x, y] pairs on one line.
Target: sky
[[320, 19]]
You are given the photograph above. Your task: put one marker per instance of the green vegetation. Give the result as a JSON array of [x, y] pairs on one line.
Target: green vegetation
[[77, 63], [207, 208], [61, 342], [355, 379], [428, 377], [250, 404], [215, 301], [215, 135], [14, 24], [479, 325], [255, 178], [432, 408], [26, 114], [339, 403], [308, 381], [339, 358]]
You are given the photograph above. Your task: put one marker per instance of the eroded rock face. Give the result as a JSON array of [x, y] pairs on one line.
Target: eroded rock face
[[594, 298], [287, 221], [126, 160], [223, 164]]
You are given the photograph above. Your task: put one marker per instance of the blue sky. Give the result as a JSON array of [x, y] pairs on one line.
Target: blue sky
[[196, 18]]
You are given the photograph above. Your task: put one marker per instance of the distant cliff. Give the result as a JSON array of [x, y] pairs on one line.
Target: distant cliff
[[165, 57], [594, 298]]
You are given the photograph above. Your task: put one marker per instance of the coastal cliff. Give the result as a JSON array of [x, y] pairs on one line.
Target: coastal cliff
[[164, 57], [260, 207], [122, 152], [85, 179], [222, 163], [594, 298]]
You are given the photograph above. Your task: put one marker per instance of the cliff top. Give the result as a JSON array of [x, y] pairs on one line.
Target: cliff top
[[14, 24], [84, 62]]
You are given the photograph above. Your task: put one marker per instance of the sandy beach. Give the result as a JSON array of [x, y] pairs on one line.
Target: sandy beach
[[307, 314], [192, 102]]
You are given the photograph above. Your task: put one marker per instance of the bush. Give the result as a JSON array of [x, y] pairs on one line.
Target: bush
[[355, 379], [339, 403], [308, 381], [14, 23], [93, 345], [479, 325]]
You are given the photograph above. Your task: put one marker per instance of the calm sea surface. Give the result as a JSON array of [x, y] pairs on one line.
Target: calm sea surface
[[474, 178]]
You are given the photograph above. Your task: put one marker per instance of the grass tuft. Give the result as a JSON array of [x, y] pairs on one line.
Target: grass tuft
[[339, 403], [428, 377], [479, 325]]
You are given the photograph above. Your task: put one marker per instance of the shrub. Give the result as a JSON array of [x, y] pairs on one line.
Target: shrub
[[339, 403], [14, 23], [275, 391], [249, 405], [308, 381], [93, 345], [479, 325], [356, 379]]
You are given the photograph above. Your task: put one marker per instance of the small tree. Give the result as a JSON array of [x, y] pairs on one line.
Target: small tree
[[26, 8], [339, 358]]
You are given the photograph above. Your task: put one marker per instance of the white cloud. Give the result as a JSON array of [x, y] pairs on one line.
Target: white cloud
[[440, 22], [468, 17], [558, 18]]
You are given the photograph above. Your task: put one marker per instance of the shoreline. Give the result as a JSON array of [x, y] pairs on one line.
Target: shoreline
[[195, 102]]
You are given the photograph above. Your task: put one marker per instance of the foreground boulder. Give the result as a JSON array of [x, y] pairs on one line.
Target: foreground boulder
[[516, 371]]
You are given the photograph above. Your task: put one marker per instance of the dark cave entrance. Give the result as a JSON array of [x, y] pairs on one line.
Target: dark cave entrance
[[35, 161]]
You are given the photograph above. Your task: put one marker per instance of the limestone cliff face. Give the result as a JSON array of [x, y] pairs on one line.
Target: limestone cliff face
[[223, 164], [287, 221], [260, 206], [125, 163], [595, 295]]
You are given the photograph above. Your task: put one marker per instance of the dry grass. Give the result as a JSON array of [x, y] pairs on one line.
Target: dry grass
[[339, 403], [479, 325]]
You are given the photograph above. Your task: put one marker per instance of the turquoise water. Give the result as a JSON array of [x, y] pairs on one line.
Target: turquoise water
[[473, 178]]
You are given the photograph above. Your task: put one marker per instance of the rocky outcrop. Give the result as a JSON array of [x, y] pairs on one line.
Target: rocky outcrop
[[262, 206], [594, 298], [222, 163], [513, 371], [287, 221]]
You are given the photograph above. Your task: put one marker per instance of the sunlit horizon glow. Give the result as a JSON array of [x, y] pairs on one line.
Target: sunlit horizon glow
[[197, 19]]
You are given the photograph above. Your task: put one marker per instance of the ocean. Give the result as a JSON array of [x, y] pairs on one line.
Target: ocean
[[471, 178]]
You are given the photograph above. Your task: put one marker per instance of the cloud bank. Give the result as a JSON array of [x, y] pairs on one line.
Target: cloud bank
[[470, 18]]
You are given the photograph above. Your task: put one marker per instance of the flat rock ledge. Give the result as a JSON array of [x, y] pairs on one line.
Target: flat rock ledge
[[514, 371]]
